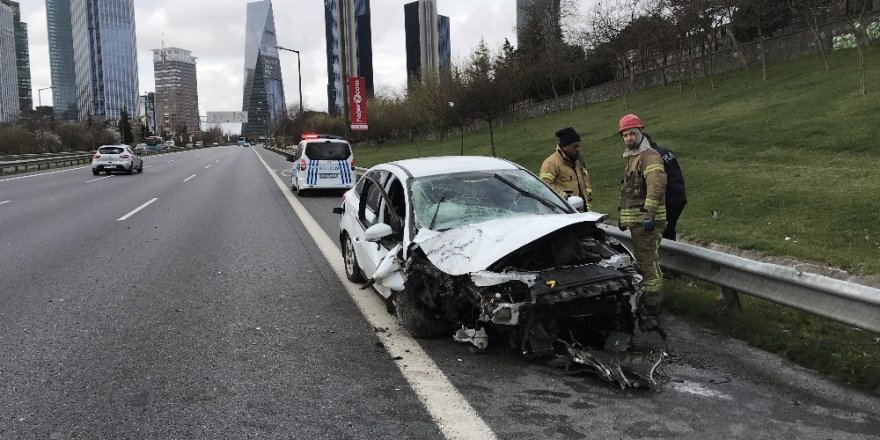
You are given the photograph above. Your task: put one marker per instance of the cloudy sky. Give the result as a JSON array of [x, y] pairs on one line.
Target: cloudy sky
[[214, 31]]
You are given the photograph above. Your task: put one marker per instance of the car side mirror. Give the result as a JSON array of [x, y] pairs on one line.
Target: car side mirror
[[576, 202], [339, 210], [377, 232]]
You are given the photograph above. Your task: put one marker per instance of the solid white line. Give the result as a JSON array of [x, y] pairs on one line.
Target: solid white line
[[218, 160], [209, 166], [188, 178], [5, 202], [136, 210], [453, 414], [99, 178], [42, 174]]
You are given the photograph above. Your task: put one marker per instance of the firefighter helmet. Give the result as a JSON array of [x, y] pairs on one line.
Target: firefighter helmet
[[629, 121]]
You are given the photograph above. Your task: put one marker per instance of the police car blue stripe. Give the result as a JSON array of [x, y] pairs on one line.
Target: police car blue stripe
[[343, 172], [311, 175]]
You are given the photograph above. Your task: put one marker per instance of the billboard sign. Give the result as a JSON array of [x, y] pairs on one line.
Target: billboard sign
[[227, 117], [357, 102]]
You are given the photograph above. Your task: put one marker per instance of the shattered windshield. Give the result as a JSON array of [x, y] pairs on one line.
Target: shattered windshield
[[451, 200]]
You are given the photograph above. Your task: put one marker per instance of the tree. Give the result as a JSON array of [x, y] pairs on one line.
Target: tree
[[125, 127], [854, 10], [487, 90], [810, 11], [760, 18]]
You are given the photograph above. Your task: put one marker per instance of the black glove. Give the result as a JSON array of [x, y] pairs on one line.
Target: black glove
[[648, 224]]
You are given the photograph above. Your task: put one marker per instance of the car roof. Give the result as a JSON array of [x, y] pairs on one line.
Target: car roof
[[431, 166]]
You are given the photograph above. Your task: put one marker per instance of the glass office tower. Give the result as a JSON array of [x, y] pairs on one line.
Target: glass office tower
[[358, 45], [22, 58], [9, 108], [263, 86], [428, 47], [61, 63], [105, 58]]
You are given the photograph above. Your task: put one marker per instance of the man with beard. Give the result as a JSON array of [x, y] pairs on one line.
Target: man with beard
[[565, 171]]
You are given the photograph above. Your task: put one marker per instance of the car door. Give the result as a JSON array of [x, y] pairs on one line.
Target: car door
[[369, 254]]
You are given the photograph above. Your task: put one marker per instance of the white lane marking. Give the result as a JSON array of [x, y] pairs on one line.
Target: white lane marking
[[189, 178], [99, 178], [136, 210], [699, 390], [5, 202], [453, 414], [42, 174], [209, 166], [218, 160]]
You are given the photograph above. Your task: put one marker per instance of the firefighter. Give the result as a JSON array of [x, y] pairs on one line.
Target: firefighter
[[565, 171], [642, 208]]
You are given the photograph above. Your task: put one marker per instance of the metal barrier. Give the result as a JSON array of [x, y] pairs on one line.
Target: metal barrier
[[843, 301], [27, 162]]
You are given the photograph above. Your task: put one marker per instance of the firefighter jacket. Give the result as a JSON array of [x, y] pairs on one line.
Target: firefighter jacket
[[567, 177], [643, 190]]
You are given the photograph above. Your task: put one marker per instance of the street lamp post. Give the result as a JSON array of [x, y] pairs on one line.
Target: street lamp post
[[299, 75], [40, 96]]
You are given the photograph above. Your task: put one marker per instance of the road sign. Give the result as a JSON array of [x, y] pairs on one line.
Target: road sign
[[227, 117]]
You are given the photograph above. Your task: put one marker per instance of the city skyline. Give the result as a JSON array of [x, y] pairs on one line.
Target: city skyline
[[219, 44], [176, 102], [359, 60]]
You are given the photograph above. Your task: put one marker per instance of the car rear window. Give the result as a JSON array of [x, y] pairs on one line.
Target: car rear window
[[110, 150], [328, 151]]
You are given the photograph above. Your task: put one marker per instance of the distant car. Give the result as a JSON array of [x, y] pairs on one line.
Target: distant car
[[215, 143], [199, 144], [169, 144], [322, 163], [111, 158], [140, 148], [246, 144]]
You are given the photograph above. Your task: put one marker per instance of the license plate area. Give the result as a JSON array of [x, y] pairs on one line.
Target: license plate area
[[328, 175]]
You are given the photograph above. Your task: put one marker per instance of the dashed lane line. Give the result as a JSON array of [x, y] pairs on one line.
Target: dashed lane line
[[189, 178], [136, 210], [5, 202], [99, 178], [453, 414], [209, 166]]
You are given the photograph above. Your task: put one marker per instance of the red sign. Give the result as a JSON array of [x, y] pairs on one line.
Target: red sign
[[357, 102]]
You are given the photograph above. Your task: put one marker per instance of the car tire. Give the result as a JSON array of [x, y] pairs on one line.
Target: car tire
[[130, 170], [352, 269], [141, 168], [411, 314], [301, 192], [95, 172]]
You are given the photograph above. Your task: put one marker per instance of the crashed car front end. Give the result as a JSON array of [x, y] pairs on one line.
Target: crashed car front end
[[571, 292]]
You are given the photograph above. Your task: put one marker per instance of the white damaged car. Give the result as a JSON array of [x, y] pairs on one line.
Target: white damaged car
[[479, 246]]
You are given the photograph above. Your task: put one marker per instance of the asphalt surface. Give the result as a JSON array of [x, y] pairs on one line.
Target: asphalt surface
[[211, 313]]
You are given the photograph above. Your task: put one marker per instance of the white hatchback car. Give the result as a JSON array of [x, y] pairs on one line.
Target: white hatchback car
[[111, 158], [471, 243], [322, 163]]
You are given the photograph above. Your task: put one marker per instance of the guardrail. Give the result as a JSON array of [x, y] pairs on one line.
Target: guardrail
[[846, 302], [31, 162]]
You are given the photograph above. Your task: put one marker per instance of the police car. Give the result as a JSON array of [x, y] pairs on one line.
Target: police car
[[322, 162]]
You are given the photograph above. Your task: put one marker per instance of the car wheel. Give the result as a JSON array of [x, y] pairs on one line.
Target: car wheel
[[141, 168], [411, 311], [352, 268], [301, 192], [130, 170], [95, 172]]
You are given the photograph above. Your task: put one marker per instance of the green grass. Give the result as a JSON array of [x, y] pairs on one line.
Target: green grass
[[797, 157]]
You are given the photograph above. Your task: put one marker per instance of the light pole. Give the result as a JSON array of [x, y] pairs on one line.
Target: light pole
[[40, 96], [299, 75]]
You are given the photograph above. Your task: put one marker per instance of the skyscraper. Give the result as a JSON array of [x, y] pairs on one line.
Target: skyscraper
[[9, 108], [358, 45], [427, 38], [263, 87], [105, 57], [60, 29], [147, 112], [22, 56], [177, 94]]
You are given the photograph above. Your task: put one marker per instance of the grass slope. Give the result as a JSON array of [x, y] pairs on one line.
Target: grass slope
[[791, 166]]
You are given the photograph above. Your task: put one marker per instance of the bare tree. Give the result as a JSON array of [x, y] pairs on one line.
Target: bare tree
[[810, 11], [488, 92], [854, 11]]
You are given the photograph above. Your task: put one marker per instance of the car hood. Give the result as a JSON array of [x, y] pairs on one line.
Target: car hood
[[471, 248]]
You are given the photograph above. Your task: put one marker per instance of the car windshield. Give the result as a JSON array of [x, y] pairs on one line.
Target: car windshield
[[328, 151], [110, 150], [451, 200]]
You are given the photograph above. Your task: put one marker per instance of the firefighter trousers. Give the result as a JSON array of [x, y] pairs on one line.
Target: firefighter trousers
[[646, 246]]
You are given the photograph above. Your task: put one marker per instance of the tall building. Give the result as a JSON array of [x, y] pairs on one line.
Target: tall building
[[22, 57], [427, 38], [9, 108], [105, 57], [263, 87], [60, 30], [147, 112], [177, 94], [357, 44], [538, 14]]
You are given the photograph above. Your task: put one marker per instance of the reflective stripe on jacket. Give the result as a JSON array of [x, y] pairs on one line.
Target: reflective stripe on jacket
[[564, 175], [643, 190]]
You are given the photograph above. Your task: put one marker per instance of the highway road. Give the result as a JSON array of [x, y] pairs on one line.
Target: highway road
[[196, 300]]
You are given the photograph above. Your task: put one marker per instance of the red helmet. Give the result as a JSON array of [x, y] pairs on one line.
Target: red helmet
[[629, 121]]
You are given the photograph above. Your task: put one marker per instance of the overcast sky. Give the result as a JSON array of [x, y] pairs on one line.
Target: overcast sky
[[214, 31]]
